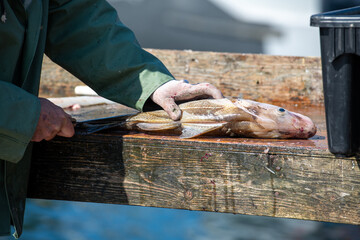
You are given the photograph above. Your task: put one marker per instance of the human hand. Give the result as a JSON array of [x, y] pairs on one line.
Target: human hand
[[166, 95], [52, 121]]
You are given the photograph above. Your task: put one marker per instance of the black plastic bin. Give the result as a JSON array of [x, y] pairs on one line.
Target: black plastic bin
[[340, 55]]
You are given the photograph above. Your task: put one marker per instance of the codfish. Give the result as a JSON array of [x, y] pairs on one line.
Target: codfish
[[222, 117]]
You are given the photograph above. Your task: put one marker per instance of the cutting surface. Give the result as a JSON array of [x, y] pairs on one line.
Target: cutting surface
[[316, 143]]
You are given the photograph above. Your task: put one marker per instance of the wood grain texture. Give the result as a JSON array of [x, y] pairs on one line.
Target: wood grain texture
[[261, 78], [79, 169], [235, 179], [279, 178]]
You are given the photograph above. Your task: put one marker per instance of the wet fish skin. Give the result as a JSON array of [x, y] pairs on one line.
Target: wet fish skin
[[222, 117], [277, 122]]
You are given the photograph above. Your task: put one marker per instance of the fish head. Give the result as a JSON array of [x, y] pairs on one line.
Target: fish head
[[276, 122]]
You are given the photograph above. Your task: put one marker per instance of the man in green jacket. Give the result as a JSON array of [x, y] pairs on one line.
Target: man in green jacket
[[86, 38]]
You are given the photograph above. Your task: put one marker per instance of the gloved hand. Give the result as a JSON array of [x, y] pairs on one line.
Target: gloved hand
[[52, 121], [166, 95]]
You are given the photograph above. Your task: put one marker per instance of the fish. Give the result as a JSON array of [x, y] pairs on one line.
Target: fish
[[223, 117]]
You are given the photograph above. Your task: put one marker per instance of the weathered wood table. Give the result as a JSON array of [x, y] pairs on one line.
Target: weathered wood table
[[280, 178]]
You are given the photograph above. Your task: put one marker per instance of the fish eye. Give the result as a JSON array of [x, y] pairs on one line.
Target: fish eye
[[281, 110]]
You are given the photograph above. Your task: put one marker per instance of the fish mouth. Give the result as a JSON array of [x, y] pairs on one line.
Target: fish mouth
[[304, 126], [307, 132]]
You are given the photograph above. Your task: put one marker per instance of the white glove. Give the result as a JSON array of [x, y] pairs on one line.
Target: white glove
[[166, 95]]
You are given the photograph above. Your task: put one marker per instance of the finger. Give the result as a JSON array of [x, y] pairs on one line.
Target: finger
[[200, 90], [216, 93], [209, 89], [50, 130], [171, 108], [37, 137], [50, 135], [67, 129]]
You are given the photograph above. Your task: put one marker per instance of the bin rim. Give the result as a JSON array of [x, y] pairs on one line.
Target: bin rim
[[348, 17]]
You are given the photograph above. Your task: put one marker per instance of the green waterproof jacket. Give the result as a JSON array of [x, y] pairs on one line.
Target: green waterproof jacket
[[85, 37]]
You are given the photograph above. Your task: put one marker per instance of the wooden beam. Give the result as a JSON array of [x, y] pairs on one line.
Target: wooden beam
[[279, 178], [262, 78]]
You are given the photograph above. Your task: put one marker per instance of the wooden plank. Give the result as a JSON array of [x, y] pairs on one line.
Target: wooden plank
[[279, 178], [263, 78], [258, 77]]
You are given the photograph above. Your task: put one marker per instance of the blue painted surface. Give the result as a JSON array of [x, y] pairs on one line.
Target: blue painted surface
[[60, 220]]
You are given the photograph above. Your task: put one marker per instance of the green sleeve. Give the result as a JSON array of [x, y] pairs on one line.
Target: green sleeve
[[87, 38], [20, 113]]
